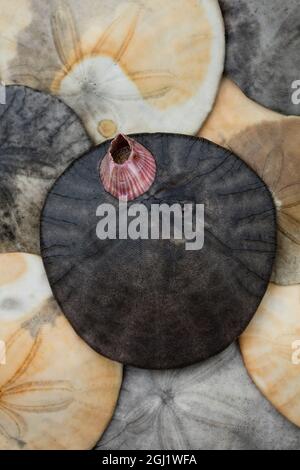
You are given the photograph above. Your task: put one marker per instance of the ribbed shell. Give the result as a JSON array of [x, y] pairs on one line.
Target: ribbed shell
[[132, 178]]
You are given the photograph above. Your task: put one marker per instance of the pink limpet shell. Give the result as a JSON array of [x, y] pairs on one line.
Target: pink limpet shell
[[128, 170]]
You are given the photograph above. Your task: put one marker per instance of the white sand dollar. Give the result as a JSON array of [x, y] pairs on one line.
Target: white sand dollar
[[23, 285], [271, 349], [55, 392], [123, 66]]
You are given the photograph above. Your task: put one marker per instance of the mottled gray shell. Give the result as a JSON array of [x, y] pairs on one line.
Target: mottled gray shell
[[263, 43], [39, 137]]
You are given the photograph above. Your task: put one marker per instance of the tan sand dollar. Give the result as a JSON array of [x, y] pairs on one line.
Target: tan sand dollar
[[55, 392], [123, 66], [271, 349], [270, 144]]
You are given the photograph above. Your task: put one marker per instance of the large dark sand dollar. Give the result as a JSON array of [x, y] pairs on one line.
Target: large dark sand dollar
[[56, 393], [211, 406], [122, 65], [152, 303], [263, 43], [39, 137]]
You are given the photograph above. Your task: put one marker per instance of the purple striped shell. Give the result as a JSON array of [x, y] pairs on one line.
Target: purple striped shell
[[128, 170]]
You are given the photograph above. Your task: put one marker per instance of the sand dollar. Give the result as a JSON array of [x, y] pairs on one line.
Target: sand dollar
[[39, 137], [148, 301], [209, 406], [55, 392], [23, 285], [262, 51], [123, 66], [14, 270], [269, 143], [271, 349]]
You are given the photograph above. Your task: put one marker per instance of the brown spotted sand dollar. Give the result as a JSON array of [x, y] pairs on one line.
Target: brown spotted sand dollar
[[123, 66], [270, 144], [55, 392], [271, 349]]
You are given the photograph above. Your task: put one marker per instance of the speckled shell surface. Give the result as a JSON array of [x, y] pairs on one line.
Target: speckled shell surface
[[123, 66], [151, 303], [270, 144], [55, 392], [271, 349], [262, 50], [39, 137], [210, 406]]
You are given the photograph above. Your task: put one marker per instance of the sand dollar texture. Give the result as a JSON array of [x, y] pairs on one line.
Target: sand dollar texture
[[55, 392], [209, 406], [271, 349], [152, 302], [262, 52], [39, 137], [123, 66], [270, 144]]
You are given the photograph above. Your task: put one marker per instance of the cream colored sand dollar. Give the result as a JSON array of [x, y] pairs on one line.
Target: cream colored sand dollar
[[23, 286], [123, 66], [55, 392], [233, 112], [270, 144], [271, 349]]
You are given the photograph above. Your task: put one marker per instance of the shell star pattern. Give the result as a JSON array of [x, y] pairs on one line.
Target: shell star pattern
[[55, 392], [213, 405], [123, 66]]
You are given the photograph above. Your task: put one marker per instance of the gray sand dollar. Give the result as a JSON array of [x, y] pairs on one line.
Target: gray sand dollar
[[39, 137], [213, 405], [262, 51]]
